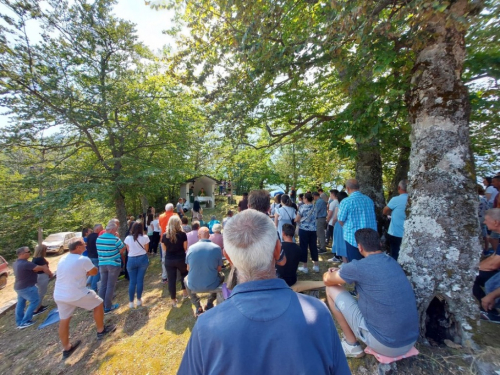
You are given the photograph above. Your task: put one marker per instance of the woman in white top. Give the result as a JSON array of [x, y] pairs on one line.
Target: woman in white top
[[137, 246], [284, 214], [155, 238]]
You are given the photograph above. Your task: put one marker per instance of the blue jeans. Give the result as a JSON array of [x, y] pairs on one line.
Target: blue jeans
[[95, 279], [136, 267], [29, 294]]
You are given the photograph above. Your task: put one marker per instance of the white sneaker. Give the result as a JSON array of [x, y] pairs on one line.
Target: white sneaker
[[303, 269], [316, 268], [131, 305], [352, 351], [139, 302]]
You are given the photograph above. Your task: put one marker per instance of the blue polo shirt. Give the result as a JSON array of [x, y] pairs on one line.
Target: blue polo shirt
[[203, 258], [320, 208], [398, 215], [265, 328]]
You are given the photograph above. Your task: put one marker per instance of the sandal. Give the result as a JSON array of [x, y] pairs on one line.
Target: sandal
[[67, 353]]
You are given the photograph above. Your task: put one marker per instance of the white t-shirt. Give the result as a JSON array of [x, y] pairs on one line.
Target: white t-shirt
[[71, 281], [491, 190], [156, 225], [134, 247], [333, 204]]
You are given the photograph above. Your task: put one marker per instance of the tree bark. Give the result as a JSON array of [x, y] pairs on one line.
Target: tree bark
[[440, 250], [369, 175], [121, 212], [401, 172]]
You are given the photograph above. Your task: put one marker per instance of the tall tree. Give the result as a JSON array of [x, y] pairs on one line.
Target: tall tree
[[89, 80]]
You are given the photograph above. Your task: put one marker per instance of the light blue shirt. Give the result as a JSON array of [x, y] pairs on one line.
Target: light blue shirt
[[203, 258], [356, 212], [398, 215], [320, 208]]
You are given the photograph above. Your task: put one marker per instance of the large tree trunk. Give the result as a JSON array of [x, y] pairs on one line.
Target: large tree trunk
[[121, 212], [369, 175], [441, 249], [401, 172]]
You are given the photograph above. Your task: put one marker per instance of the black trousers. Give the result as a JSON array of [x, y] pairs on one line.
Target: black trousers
[[395, 245], [477, 288], [155, 240], [172, 265]]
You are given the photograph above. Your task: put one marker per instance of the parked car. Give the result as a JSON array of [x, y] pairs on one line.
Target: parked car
[[4, 272], [58, 242]]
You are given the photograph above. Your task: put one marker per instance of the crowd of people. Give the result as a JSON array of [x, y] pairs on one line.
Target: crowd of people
[[260, 245]]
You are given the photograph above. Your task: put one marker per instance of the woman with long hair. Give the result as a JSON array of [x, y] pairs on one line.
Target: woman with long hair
[[42, 278], [284, 215], [197, 212], [338, 246], [174, 244], [137, 264], [306, 220]]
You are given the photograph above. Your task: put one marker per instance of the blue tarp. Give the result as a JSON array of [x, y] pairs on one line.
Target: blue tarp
[[52, 318], [276, 192]]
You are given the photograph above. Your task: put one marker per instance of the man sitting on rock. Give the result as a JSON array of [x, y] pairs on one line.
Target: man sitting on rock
[[204, 262], [385, 317], [263, 327]]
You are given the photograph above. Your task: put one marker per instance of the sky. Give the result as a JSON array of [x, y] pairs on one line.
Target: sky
[[149, 24]]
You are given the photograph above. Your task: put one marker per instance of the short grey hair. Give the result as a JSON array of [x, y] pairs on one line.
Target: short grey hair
[[249, 241], [403, 184], [493, 213], [74, 242], [97, 226], [352, 184], [169, 207], [21, 250], [111, 226], [216, 228]]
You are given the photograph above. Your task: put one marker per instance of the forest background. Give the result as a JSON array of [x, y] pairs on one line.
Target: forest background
[[101, 126]]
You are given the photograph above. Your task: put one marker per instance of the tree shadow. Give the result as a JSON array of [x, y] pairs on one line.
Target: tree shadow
[[180, 318], [135, 320]]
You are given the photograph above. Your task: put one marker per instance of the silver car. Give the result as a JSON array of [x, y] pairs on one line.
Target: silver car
[[58, 242]]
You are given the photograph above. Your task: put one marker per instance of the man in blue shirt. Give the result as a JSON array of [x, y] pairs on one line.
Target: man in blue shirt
[[204, 262], [355, 212], [385, 315], [320, 209], [397, 209], [263, 327]]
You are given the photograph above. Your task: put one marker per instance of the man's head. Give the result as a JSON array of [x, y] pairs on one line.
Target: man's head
[[111, 227], [180, 200], [492, 219], [213, 217], [259, 200], [184, 220], [203, 233], [320, 191], [402, 186], [301, 196], [98, 228], [169, 207], [352, 185], [334, 193], [288, 232], [316, 195], [23, 252], [251, 244], [495, 181], [245, 195], [368, 240], [230, 213], [76, 245], [195, 225]]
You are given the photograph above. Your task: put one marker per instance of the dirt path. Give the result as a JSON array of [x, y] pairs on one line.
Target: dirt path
[[9, 294]]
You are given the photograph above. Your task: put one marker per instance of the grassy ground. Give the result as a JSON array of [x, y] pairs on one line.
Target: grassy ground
[[151, 339]]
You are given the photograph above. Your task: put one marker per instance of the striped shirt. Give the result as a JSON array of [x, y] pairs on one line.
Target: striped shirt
[[356, 212], [108, 249]]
